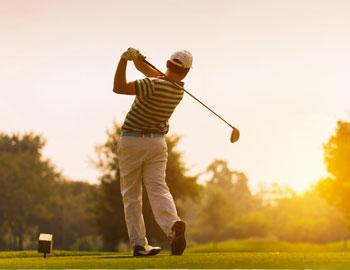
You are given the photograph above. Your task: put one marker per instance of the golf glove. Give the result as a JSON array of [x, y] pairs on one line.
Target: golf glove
[[132, 54]]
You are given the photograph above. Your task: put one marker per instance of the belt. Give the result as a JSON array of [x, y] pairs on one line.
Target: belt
[[126, 133]]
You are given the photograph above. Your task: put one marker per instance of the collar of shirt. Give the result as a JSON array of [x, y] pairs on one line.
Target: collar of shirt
[[167, 79]]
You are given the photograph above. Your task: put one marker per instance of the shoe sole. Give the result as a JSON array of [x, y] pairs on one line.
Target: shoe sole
[[178, 244], [152, 252]]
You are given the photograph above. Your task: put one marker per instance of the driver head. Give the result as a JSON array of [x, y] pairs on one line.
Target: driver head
[[234, 135]]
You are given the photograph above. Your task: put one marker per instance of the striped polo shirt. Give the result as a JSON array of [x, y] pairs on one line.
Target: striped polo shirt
[[155, 101]]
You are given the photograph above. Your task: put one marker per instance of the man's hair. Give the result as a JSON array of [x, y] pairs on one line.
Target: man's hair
[[177, 69]]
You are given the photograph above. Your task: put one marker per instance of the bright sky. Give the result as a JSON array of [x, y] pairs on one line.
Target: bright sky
[[278, 70]]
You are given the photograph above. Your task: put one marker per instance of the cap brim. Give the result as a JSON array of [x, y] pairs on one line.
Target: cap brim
[[178, 64]]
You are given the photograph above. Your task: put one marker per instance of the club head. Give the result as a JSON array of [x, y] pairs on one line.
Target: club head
[[234, 135]]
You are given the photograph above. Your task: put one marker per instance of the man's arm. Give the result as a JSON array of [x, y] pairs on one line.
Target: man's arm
[[121, 86], [145, 68]]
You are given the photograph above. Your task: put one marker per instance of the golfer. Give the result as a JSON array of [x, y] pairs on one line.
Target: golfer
[[142, 150]]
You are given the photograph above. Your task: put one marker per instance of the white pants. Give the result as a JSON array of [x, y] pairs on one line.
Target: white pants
[[144, 159]]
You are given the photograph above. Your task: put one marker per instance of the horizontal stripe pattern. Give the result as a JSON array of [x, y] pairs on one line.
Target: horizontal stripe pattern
[[155, 101]]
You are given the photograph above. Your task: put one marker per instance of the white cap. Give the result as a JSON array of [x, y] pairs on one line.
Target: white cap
[[182, 58]]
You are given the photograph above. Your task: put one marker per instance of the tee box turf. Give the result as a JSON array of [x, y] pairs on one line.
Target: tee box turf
[[45, 243]]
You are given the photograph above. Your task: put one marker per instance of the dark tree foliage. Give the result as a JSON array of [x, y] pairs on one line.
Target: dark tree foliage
[[70, 216], [26, 181], [110, 212], [35, 199]]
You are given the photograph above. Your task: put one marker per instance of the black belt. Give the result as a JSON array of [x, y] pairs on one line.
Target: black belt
[[128, 133]]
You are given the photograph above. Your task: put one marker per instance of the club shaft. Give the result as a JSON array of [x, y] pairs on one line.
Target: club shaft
[[179, 86]]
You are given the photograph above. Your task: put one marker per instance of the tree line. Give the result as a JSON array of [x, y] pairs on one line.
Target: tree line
[[35, 197]]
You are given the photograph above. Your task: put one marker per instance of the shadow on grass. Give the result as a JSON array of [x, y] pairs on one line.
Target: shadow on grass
[[131, 256], [116, 257]]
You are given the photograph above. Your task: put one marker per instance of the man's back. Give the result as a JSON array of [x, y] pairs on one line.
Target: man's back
[[155, 101]]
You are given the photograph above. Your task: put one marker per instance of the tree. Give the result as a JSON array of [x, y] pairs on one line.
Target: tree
[[227, 198], [70, 216], [303, 217], [26, 180], [336, 188], [232, 183], [110, 211]]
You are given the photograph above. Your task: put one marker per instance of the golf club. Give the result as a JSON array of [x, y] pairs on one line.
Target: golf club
[[235, 132]]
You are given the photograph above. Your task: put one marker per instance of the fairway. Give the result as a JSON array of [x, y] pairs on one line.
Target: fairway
[[338, 260]]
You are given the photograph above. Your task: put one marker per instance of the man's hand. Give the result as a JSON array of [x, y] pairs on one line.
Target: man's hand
[[133, 55], [120, 85]]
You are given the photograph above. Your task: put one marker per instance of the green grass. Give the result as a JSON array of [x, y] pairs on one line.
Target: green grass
[[255, 260], [252, 253], [263, 245]]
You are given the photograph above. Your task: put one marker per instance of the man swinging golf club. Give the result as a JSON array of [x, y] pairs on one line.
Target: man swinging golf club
[[142, 150]]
